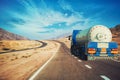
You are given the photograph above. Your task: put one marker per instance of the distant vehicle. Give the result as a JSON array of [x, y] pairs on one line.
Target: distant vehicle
[[92, 43]]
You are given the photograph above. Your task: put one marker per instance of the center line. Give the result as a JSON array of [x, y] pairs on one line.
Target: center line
[[115, 60], [104, 77], [88, 66], [75, 57], [79, 61]]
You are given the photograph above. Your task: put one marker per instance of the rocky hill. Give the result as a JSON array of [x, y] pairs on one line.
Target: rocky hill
[[116, 31], [5, 35]]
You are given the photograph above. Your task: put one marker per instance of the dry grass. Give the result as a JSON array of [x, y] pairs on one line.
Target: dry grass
[[20, 65], [13, 45]]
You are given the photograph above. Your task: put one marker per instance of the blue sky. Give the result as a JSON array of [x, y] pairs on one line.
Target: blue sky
[[47, 19]]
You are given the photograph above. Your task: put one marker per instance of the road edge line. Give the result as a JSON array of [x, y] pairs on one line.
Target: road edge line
[[41, 68]]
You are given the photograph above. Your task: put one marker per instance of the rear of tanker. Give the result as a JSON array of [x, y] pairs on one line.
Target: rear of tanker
[[94, 43]]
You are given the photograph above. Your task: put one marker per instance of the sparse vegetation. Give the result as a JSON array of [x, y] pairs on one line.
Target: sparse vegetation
[[24, 61], [12, 59], [1, 43], [29, 55], [13, 45], [16, 57], [14, 54], [13, 50], [6, 49], [24, 56]]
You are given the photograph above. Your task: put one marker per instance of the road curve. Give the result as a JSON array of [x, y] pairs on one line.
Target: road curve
[[43, 45], [68, 67]]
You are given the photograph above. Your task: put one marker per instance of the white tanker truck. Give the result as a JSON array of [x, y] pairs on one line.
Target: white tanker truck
[[92, 43]]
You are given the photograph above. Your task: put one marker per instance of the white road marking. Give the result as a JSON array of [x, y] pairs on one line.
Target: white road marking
[[75, 57], [79, 61], [116, 60], [88, 66], [104, 77], [72, 55], [41, 68]]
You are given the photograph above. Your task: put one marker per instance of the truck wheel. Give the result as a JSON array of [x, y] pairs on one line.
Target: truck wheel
[[72, 49], [83, 56]]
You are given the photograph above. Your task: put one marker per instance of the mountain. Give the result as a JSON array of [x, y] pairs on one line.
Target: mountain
[[5, 35], [62, 36], [116, 31]]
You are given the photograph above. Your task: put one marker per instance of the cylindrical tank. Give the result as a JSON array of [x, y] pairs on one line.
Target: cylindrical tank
[[98, 33]]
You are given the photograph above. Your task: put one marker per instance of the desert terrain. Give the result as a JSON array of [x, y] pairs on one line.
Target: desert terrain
[[19, 59], [20, 63], [13, 45]]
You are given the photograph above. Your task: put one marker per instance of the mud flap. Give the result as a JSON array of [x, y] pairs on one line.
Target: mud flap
[[90, 57], [116, 57]]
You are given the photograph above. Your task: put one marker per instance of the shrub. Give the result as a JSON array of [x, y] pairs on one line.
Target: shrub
[[6, 49]]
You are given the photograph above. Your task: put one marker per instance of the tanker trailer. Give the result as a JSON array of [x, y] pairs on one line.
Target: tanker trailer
[[92, 43]]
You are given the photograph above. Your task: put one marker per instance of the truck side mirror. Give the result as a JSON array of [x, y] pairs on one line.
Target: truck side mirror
[[69, 37]]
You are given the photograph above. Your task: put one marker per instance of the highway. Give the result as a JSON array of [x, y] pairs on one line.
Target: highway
[[65, 66]]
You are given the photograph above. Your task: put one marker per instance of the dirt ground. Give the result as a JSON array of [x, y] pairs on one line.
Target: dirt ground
[[20, 65], [11, 45]]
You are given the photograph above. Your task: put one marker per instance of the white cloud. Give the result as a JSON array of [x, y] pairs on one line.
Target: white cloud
[[65, 5], [38, 18]]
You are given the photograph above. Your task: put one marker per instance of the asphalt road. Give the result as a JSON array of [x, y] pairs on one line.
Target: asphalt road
[[64, 66]]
